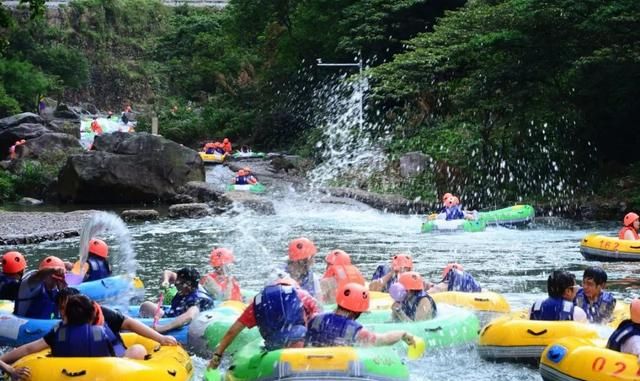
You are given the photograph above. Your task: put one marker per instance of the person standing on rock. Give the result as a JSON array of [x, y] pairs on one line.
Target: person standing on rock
[[13, 265]]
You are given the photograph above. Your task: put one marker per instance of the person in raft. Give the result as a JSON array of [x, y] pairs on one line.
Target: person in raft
[[97, 262], [299, 267], [13, 265], [241, 178], [386, 275], [626, 338], [251, 179], [280, 311], [38, 290], [562, 289], [220, 283], [340, 328], [631, 225], [454, 278], [411, 302], [339, 272], [597, 303]]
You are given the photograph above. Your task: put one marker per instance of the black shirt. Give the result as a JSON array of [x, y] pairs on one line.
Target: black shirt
[[112, 318]]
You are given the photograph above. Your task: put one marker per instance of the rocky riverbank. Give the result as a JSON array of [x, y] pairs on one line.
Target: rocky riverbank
[[20, 228]]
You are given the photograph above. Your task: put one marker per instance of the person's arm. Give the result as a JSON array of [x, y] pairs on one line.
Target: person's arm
[[378, 284], [21, 373], [365, 337], [440, 287], [135, 326], [180, 321], [424, 310], [328, 290], [227, 339], [398, 314], [41, 274], [24, 350], [168, 278]]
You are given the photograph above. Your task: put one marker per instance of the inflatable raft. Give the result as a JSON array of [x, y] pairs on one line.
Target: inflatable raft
[[253, 188], [485, 301], [163, 363], [111, 288], [521, 340], [238, 155], [603, 248], [453, 226], [512, 216], [212, 158], [573, 359]]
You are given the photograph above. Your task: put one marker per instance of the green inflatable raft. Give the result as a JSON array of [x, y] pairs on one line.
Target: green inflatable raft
[[512, 216], [453, 226], [253, 188]]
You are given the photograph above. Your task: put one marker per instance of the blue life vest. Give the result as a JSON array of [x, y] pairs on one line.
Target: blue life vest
[[86, 340], [381, 271], [453, 213], [410, 304], [219, 150], [625, 330], [308, 283], [552, 309], [242, 180], [98, 268], [8, 287], [37, 302], [181, 303], [599, 311], [279, 316], [330, 329], [462, 281]]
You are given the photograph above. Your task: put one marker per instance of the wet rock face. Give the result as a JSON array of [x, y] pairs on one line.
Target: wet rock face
[[16, 120], [46, 144], [140, 215], [192, 210], [27, 131], [413, 163]]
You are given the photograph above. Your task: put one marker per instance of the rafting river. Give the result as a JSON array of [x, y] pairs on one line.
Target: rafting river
[[515, 263]]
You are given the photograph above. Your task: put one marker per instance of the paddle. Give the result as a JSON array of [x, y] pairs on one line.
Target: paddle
[[416, 350], [156, 316]]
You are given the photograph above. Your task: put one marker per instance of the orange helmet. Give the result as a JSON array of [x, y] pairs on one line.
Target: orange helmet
[[338, 257], [353, 297], [220, 257], [456, 200], [401, 260], [287, 281], [446, 196], [99, 248], [450, 267], [635, 310], [301, 248], [241, 172], [411, 280], [13, 262], [630, 218], [51, 262]]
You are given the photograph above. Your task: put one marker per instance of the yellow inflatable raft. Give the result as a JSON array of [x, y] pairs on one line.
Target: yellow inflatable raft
[[603, 248], [212, 158], [572, 359], [478, 301], [511, 339], [171, 363]]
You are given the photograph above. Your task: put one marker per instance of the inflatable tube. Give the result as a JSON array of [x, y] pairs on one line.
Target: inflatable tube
[[602, 248], [253, 188], [111, 288], [510, 339], [170, 363], [516, 215], [485, 301], [453, 226], [212, 158], [238, 155], [329, 363], [573, 359]]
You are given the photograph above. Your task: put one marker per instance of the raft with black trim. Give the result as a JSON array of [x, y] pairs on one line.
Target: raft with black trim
[[212, 158], [520, 340], [516, 215], [170, 363], [253, 188], [329, 363], [486, 301], [453, 226], [602, 248], [576, 359]]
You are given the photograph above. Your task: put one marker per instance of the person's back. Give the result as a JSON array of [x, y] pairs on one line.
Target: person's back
[[462, 281], [561, 287], [279, 315], [626, 338], [331, 329]]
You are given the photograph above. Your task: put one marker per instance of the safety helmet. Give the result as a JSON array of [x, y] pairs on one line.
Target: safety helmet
[[241, 172], [446, 196], [411, 280], [51, 262], [353, 297], [99, 248], [635, 311], [287, 281], [338, 257], [630, 218], [401, 260], [13, 262], [220, 257], [301, 248], [450, 267], [456, 200]]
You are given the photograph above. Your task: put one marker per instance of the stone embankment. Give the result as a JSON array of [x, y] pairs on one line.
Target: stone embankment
[[20, 228]]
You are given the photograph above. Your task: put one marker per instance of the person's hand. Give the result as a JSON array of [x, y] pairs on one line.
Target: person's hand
[[165, 284], [22, 373], [215, 361], [168, 340], [408, 339]]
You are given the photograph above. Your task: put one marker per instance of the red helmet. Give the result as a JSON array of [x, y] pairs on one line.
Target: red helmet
[[630, 218], [635, 311], [338, 257], [51, 262], [301, 248], [13, 262], [446, 196], [353, 297], [450, 267], [99, 248], [411, 280], [220, 257], [401, 260]]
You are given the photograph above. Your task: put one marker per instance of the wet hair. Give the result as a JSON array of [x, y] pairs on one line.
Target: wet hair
[[559, 281], [189, 275], [596, 273], [64, 294], [79, 310]]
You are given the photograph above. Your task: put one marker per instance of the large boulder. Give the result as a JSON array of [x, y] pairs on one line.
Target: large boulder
[[16, 120], [49, 145], [64, 112], [27, 131], [387, 203], [65, 126], [413, 164], [129, 168]]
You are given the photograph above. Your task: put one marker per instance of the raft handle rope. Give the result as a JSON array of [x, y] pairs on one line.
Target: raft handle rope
[[529, 331], [438, 328], [74, 374], [481, 299], [172, 372], [328, 357]]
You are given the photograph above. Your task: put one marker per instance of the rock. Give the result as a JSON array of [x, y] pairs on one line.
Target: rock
[[18, 228], [65, 126], [193, 210], [249, 200], [64, 112], [283, 164], [389, 203], [140, 215], [27, 131], [28, 201], [5, 164], [136, 168], [16, 120], [49, 145], [182, 198], [203, 192], [413, 163]]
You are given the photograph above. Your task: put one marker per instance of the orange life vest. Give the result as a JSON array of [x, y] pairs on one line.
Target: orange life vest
[[624, 230], [222, 282], [344, 274], [95, 127], [226, 147]]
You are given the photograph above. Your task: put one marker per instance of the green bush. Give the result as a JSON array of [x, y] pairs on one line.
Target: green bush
[[34, 177], [7, 187]]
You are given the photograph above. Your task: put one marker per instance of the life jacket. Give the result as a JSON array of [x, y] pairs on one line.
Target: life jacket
[[600, 310], [309, 283], [330, 329], [624, 230], [625, 330], [37, 302], [344, 274], [462, 281], [222, 283], [242, 180], [95, 127], [8, 287], [226, 147], [279, 315], [453, 213], [220, 150], [552, 309], [181, 303], [410, 304], [86, 340], [381, 271], [98, 268]]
